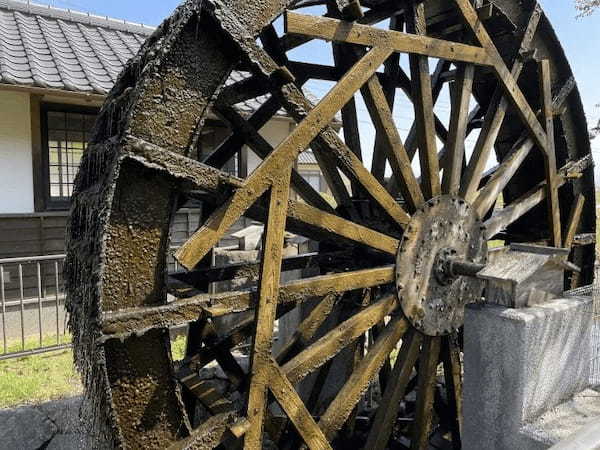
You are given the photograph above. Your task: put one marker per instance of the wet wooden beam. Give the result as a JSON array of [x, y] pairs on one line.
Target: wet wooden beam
[[251, 270], [290, 402], [335, 30], [262, 148], [341, 407], [459, 119], [381, 114], [390, 72], [217, 182], [387, 412], [504, 76], [487, 195], [340, 337], [532, 198], [574, 221], [428, 362], [454, 392], [494, 118], [266, 311], [423, 104], [307, 328], [550, 155], [194, 249]]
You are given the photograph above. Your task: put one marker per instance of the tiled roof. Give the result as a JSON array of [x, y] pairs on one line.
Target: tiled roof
[[54, 48], [307, 157]]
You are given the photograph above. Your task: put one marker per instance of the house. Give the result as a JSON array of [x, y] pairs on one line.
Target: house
[[56, 67]]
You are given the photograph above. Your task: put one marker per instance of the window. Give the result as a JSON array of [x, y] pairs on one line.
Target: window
[[314, 179], [65, 132]]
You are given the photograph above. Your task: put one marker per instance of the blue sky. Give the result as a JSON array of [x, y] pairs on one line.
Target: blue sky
[[579, 36]]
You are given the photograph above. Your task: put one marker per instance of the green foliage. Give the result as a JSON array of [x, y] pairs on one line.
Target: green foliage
[[37, 378]]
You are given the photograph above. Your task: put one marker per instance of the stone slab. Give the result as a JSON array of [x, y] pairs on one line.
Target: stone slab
[[25, 428], [519, 363], [564, 420]]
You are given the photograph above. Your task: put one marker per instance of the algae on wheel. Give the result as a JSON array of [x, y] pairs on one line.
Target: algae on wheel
[[396, 253]]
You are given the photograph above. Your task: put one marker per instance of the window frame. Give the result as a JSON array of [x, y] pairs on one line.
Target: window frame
[[51, 204]]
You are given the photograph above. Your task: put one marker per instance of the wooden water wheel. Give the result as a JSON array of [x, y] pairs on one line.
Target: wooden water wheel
[[398, 248]]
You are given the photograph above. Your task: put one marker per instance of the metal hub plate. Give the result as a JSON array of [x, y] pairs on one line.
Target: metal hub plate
[[444, 226]]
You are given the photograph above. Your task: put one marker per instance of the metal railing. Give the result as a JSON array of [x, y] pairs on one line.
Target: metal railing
[[32, 306]]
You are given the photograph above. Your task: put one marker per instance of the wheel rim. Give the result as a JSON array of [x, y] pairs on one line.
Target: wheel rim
[[137, 170]]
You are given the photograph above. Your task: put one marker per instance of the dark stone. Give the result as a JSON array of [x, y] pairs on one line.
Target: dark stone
[[25, 429]]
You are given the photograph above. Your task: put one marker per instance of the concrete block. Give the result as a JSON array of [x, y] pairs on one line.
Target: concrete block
[[518, 364]]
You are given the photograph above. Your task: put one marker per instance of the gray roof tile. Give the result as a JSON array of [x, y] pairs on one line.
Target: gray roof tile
[[50, 47]]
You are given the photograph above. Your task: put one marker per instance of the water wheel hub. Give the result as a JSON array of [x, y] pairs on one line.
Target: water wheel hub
[[442, 249]]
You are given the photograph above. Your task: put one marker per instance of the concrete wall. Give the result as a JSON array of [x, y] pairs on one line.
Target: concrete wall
[[16, 173]]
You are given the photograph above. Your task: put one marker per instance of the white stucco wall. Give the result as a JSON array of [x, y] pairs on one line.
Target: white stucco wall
[[274, 132], [16, 174]]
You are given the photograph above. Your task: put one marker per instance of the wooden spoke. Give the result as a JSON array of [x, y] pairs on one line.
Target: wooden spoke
[[259, 181], [532, 198], [298, 291], [340, 337], [488, 194], [494, 118], [387, 411], [340, 408], [199, 277], [290, 402], [453, 377], [353, 33], [381, 114], [423, 104], [574, 220], [262, 148], [268, 293], [505, 77], [550, 155], [391, 71], [210, 179], [307, 328], [228, 148], [428, 362], [459, 116]]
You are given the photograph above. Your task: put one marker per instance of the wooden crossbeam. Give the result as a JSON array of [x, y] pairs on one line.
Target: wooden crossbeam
[[262, 148], [353, 33], [207, 178], [340, 408], [459, 119], [307, 328], [387, 412], [340, 337], [494, 118], [290, 402], [532, 198], [298, 291], [423, 104], [550, 155], [487, 195], [504, 76], [181, 312], [428, 362], [195, 248], [390, 71], [381, 114], [268, 293], [453, 376], [574, 221]]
